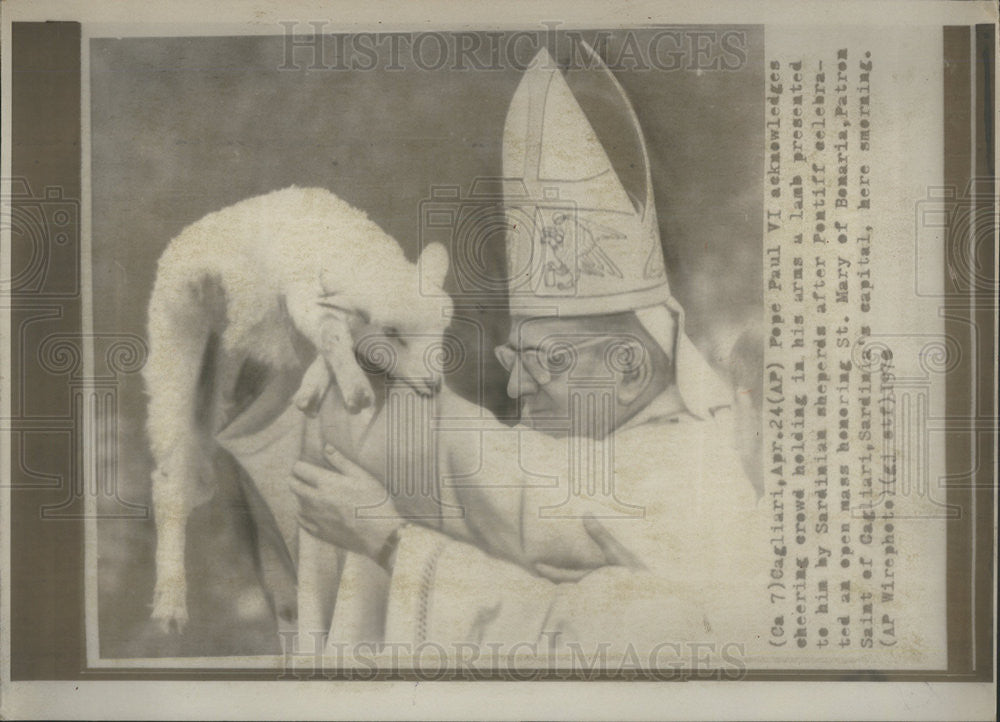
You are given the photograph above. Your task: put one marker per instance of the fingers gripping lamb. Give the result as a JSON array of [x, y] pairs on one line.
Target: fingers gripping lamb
[[275, 279]]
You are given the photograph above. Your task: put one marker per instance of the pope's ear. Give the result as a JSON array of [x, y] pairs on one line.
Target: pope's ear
[[433, 263]]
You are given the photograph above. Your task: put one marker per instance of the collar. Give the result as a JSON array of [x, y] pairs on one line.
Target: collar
[[668, 406], [698, 386]]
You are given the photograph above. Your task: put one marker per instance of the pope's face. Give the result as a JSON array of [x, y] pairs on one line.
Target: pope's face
[[550, 361]]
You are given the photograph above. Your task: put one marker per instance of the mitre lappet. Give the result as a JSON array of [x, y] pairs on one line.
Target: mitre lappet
[[582, 232]]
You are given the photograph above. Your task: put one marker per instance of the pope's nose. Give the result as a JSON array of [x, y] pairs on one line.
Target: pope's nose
[[520, 383]]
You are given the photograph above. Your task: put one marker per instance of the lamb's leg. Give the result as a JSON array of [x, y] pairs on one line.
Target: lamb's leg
[[181, 380], [315, 383], [170, 592], [336, 345], [330, 332], [178, 487]]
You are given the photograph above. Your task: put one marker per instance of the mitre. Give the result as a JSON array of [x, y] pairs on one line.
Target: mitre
[[582, 234], [582, 230]]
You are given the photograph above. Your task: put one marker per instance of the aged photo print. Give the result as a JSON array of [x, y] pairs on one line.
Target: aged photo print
[[519, 197], [555, 348]]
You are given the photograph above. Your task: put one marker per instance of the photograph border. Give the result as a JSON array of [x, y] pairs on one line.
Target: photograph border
[[39, 632]]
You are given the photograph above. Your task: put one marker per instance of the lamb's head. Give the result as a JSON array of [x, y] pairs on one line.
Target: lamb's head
[[403, 332], [396, 316]]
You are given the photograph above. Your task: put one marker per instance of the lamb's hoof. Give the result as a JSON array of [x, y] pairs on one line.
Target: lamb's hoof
[[308, 401], [173, 624], [169, 613], [313, 388], [360, 400]]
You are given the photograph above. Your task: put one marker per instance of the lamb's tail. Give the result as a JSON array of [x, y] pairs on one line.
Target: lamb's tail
[[186, 315]]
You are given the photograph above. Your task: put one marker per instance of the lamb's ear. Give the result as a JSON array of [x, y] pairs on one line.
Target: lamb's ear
[[433, 263]]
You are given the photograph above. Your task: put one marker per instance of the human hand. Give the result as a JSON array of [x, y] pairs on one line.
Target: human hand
[[615, 554], [330, 500]]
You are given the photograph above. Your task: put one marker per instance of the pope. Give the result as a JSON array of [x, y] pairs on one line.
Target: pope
[[617, 512]]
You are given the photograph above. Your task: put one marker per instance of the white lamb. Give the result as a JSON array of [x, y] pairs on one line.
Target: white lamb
[[272, 279]]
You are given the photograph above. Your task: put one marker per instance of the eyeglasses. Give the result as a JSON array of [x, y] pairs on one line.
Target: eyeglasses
[[544, 362]]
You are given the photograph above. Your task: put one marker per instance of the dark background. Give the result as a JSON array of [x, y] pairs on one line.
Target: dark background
[[184, 126]]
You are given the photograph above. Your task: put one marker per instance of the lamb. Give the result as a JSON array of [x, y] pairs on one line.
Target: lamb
[[275, 279]]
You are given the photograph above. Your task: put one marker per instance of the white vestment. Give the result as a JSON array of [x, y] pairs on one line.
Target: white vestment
[[697, 531], [679, 502]]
